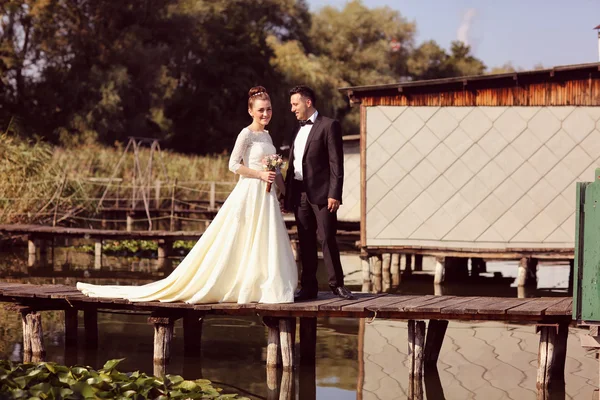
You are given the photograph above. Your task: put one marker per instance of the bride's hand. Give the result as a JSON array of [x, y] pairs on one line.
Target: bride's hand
[[267, 176]]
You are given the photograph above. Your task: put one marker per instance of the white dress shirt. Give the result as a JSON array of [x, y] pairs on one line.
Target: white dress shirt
[[300, 145]]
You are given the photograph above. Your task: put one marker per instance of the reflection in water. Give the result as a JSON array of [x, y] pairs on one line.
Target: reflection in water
[[356, 359]]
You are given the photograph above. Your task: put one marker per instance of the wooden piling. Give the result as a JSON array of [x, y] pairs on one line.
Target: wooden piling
[[551, 355], [165, 247], [386, 264], [395, 269], [192, 334], [436, 331], [129, 222], [163, 335], [273, 341], [416, 342], [308, 340], [366, 273], [90, 326], [33, 335], [71, 327], [376, 266], [286, 339], [527, 273], [272, 384], [98, 253], [31, 245], [440, 270], [285, 391]]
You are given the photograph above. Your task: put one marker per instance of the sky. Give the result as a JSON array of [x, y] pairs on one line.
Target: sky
[[523, 32]]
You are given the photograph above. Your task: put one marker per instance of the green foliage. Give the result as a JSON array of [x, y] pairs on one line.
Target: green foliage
[[48, 380], [135, 246], [179, 70]]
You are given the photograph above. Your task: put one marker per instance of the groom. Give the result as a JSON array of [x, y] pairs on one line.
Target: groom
[[313, 188]]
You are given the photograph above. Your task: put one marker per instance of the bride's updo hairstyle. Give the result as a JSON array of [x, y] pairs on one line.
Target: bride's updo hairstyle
[[257, 93]]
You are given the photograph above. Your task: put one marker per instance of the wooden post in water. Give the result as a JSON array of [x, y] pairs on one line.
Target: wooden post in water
[[129, 221], [163, 335], [212, 201], [164, 250], [98, 254], [31, 247], [90, 326], [395, 269], [33, 336], [366, 273], [376, 266], [273, 341], [287, 339], [527, 273], [192, 334], [551, 355], [286, 386], [440, 270], [416, 343], [272, 384], [433, 344], [71, 324], [386, 261], [308, 340]]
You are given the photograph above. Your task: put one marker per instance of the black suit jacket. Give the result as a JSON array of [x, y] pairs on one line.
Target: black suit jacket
[[322, 164]]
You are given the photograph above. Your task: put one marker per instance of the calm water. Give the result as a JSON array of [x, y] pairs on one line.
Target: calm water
[[355, 359]]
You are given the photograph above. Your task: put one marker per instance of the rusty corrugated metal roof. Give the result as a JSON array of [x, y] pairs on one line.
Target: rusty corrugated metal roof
[[471, 78]]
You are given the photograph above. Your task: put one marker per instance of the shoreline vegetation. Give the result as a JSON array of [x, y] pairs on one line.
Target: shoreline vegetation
[[45, 184], [48, 380]]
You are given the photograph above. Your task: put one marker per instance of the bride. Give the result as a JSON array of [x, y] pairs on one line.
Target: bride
[[245, 254]]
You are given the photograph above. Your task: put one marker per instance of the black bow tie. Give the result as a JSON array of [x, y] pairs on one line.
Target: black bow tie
[[306, 122]]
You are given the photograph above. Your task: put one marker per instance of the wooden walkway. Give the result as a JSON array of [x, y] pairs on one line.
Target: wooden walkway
[[552, 316]]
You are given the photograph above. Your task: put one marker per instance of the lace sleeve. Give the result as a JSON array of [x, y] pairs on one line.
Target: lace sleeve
[[237, 154]]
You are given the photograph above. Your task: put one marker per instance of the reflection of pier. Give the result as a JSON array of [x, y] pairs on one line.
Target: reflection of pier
[[551, 315]]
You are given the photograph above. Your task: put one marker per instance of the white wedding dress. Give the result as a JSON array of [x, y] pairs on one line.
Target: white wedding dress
[[245, 254]]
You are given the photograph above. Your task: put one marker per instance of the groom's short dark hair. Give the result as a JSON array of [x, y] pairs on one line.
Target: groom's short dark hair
[[304, 91]]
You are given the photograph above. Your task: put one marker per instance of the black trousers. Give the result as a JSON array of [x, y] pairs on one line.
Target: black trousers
[[315, 222]]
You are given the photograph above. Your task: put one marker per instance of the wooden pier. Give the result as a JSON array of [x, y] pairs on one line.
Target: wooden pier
[[551, 316], [40, 236]]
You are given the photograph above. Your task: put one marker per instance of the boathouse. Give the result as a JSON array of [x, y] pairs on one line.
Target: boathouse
[[477, 166]]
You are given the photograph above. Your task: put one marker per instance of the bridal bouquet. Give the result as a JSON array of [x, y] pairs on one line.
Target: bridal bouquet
[[272, 162]]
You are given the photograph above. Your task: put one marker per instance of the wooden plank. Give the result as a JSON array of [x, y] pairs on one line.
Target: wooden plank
[[439, 305], [564, 307], [312, 305], [234, 306], [470, 307], [401, 305], [376, 303], [338, 305], [502, 306], [536, 307]]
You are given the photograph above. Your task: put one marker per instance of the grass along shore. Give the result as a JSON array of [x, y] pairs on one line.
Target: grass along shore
[[45, 184]]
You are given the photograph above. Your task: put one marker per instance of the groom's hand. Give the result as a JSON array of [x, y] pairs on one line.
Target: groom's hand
[[333, 205]]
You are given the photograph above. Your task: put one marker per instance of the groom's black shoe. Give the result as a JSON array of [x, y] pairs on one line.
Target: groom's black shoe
[[342, 292], [306, 294]]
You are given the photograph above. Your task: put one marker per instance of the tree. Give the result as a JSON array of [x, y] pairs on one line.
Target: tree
[[430, 61]]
